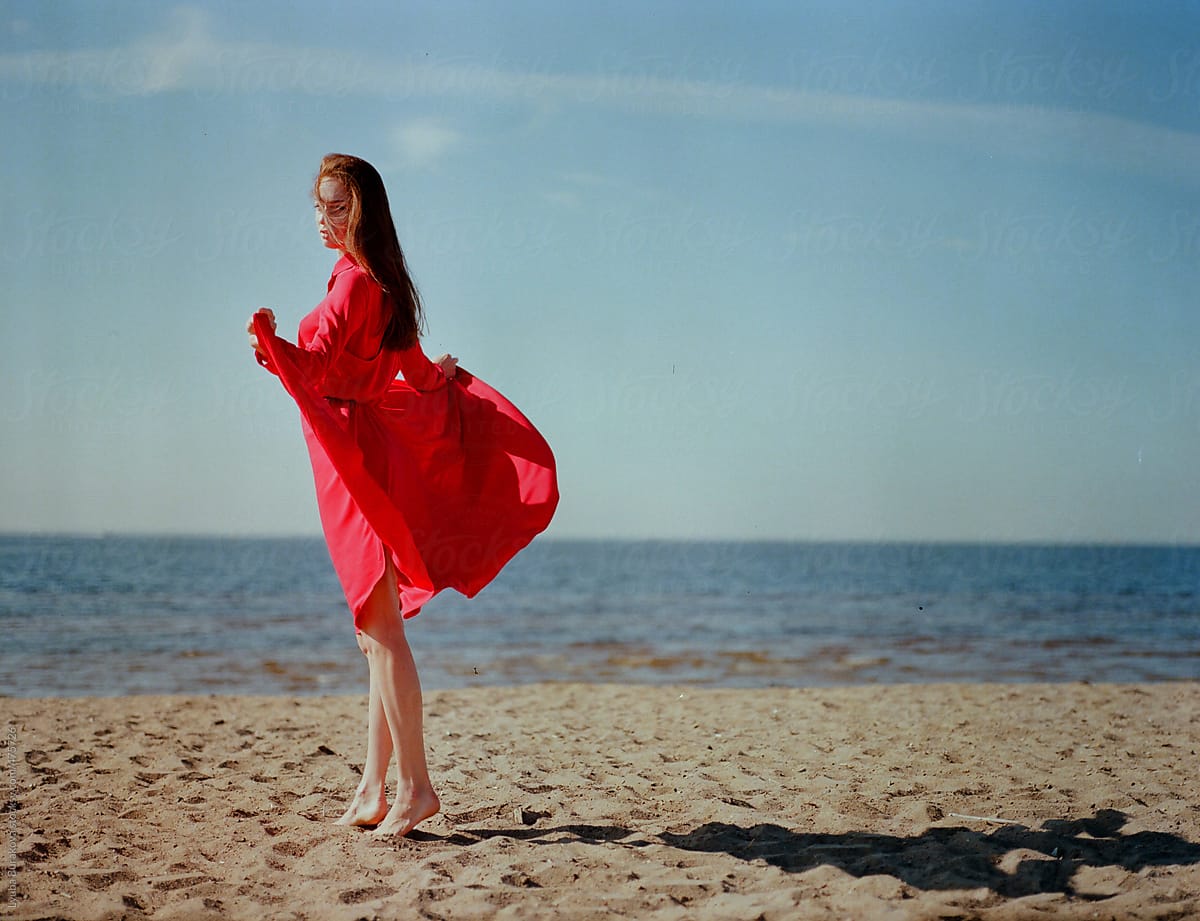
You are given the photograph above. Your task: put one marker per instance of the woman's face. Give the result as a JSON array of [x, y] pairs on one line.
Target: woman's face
[[332, 207]]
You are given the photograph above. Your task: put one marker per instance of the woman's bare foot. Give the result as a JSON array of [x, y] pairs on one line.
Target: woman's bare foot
[[365, 809], [407, 814]]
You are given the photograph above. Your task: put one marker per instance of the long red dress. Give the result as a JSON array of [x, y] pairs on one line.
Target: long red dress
[[446, 475]]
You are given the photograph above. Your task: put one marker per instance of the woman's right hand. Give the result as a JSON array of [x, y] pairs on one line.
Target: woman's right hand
[[270, 315], [448, 364]]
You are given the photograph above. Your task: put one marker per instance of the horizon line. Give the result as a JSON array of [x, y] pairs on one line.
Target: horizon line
[[6, 534]]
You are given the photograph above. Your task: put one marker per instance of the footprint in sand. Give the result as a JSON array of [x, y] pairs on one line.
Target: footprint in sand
[[98, 882], [35, 757], [184, 881], [293, 848], [45, 850], [478, 815], [357, 896], [149, 777]]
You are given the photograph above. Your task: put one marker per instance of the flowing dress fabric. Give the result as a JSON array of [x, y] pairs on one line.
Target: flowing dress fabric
[[445, 475]]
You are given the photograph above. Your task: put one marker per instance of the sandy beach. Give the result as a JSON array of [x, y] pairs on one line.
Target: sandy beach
[[580, 801]]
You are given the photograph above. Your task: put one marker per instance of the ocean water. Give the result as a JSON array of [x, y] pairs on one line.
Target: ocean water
[[125, 615]]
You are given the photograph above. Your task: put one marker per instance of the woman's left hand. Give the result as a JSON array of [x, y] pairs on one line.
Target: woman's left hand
[[449, 365]]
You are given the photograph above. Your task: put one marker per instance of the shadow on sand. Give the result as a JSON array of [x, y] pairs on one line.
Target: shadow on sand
[[1044, 860]]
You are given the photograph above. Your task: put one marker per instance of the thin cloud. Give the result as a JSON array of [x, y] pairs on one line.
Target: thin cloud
[[181, 56], [185, 56], [423, 142], [564, 198]]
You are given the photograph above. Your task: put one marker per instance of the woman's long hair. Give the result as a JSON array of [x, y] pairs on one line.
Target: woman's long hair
[[370, 239]]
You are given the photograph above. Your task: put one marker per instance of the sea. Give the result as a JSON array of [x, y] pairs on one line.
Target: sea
[[118, 615]]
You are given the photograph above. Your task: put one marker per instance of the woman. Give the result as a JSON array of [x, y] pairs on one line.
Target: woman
[[430, 482]]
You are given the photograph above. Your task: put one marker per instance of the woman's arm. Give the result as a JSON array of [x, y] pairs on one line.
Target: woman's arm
[[352, 299], [421, 373]]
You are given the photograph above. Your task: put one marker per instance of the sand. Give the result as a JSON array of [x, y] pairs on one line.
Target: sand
[[578, 801]]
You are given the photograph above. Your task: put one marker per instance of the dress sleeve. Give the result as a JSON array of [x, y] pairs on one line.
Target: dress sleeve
[[419, 372], [351, 301]]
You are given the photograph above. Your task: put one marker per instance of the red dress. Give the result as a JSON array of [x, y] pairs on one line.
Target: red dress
[[445, 475]]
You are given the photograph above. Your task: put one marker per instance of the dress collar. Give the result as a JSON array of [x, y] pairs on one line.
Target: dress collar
[[346, 262]]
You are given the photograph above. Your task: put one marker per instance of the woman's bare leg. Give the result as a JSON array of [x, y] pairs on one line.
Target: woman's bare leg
[[395, 710], [369, 805]]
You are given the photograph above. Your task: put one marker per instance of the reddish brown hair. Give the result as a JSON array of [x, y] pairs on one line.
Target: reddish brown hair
[[370, 239]]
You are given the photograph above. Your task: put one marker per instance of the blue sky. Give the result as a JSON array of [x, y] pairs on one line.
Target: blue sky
[[798, 270]]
